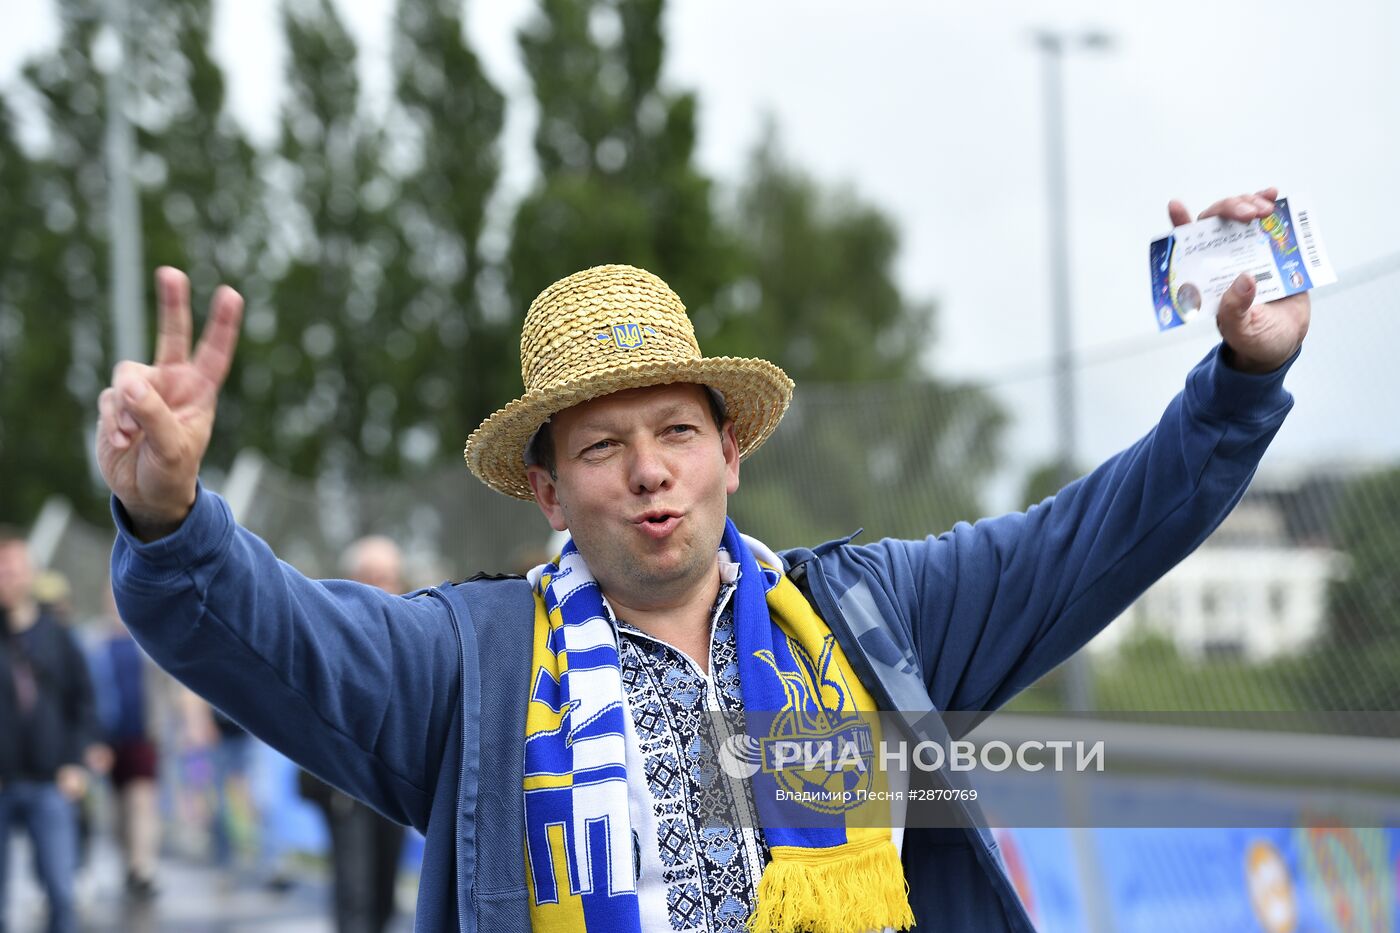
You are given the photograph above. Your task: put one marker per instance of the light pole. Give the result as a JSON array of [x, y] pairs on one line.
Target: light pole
[[1053, 45], [123, 208], [1079, 694]]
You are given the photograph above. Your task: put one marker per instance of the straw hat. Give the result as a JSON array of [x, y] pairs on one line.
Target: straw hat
[[603, 330]]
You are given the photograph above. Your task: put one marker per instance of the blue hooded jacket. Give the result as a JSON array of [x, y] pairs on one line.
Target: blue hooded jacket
[[416, 704]]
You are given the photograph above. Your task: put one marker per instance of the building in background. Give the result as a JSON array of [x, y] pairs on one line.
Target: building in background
[[1257, 589]]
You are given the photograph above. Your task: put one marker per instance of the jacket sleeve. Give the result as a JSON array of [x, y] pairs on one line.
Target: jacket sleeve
[[355, 684], [995, 605]]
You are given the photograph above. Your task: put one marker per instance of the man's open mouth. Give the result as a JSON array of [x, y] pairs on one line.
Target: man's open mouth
[[657, 523]]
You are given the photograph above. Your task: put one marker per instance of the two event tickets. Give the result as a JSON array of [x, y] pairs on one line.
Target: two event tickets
[[1194, 264]]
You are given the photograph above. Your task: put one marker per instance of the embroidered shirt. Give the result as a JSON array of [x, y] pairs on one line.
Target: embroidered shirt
[[699, 850]]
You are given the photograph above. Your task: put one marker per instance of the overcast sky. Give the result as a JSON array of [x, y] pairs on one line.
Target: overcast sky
[[934, 112]]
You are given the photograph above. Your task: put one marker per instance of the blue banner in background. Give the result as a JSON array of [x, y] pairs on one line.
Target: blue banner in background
[[1314, 879], [1299, 880]]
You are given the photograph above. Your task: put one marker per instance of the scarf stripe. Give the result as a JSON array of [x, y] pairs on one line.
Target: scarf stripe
[[829, 873]]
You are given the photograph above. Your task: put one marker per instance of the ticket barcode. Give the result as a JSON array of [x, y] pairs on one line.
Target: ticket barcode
[[1194, 264], [1309, 244]]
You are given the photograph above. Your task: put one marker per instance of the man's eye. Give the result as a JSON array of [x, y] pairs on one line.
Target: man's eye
[[681, 428], [600, 445]]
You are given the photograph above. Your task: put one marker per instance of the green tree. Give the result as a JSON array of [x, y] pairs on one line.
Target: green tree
[[1044, 481], [817, 292], [794, 274], [19, 219], [449, 118], [872, 439], [373, 352], [1148, 674], [1357, 664], [43, 426], [201, 198], [616, 158], [58, 279], [319, 355], [198, 192]]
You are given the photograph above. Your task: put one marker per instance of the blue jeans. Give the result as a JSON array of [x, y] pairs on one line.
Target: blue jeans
[[52, 824]]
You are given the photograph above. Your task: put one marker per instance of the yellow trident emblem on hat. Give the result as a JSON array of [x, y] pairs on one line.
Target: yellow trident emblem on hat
[[627, 336]]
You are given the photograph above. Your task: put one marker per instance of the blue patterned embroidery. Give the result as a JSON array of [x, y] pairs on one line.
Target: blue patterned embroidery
[[711, 871]]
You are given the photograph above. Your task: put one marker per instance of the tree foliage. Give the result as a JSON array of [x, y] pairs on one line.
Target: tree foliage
[[1045, 480], [42, 422], [55, 280], [194, 174], [317, 352], [1358, 662], [618, 181], [794, 273], [372, 347], [379, 330], [201, 202], [450, 116], [817, 291], [872, 441]]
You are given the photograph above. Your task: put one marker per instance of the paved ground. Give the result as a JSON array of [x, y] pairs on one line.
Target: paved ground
[[194, 898]]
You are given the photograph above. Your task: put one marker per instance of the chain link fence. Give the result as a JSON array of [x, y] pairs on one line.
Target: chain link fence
[[1293, 604]]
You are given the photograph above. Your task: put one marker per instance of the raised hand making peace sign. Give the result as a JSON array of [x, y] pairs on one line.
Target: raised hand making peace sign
[[154, 421]]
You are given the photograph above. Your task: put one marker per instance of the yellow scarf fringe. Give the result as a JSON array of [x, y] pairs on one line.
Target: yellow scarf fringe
[[851, 889]]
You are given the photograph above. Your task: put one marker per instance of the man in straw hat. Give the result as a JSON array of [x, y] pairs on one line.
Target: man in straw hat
[[546, 734]]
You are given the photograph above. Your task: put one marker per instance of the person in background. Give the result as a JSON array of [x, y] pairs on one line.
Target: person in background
[[124, 686], [238, 827], [46, 726], [365, 847], [52, 592]]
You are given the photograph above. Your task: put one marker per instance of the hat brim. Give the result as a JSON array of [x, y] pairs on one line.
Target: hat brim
[[756, 394]]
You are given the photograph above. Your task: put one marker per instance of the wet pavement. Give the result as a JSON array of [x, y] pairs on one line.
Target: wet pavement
[[193, 898]]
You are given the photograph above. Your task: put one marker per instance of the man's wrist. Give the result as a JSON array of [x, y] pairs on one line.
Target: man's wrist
[[1248, 365], [1219, 389], [208, 527], [148, 526]]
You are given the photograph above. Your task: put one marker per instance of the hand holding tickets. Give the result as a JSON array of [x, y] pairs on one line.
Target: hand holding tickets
[[1194, 265]]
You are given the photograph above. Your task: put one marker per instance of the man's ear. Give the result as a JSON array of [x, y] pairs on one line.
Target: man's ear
[[729, 443], [547, 496]]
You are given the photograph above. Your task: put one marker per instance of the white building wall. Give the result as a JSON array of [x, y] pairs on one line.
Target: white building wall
[[1257, 603]]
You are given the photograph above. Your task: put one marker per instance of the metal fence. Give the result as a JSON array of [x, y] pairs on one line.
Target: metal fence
[[1292, 604]]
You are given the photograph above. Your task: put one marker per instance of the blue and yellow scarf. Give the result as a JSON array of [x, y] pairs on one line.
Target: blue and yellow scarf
[[827, 875]]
